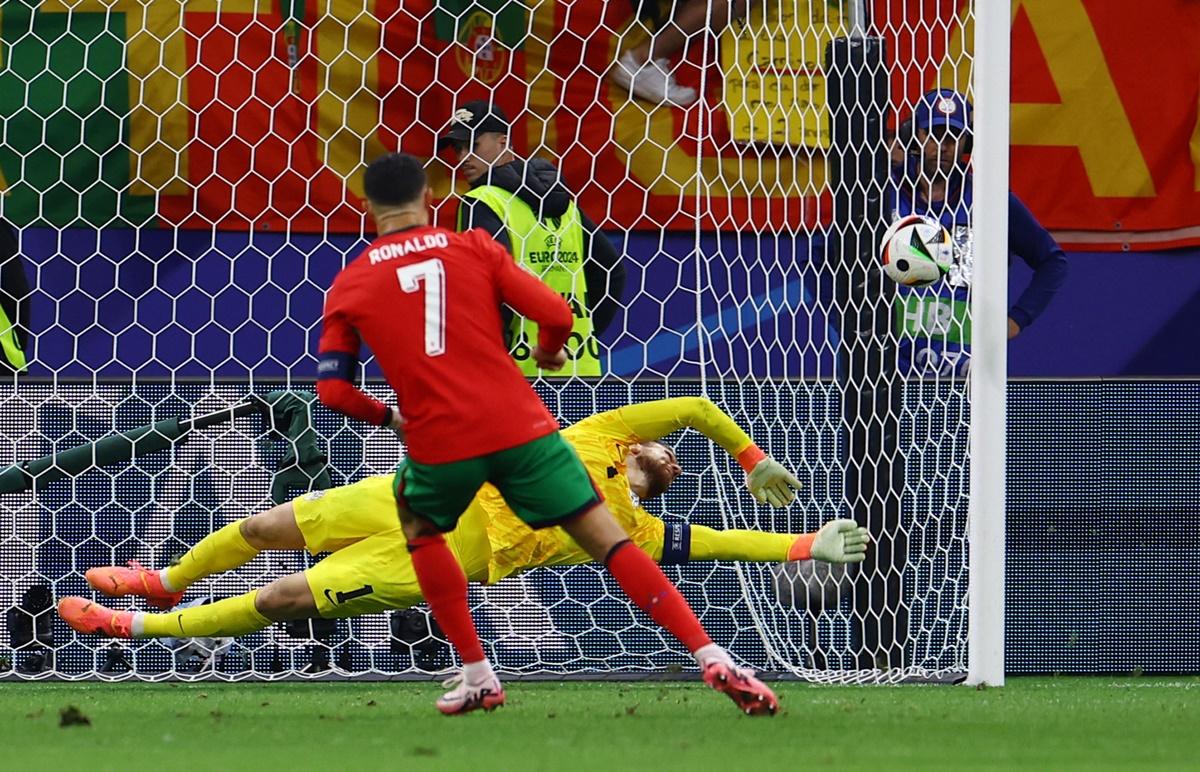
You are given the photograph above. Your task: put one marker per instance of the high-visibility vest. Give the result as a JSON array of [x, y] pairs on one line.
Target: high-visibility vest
[[14, 287], [552, 250], [10, 344]]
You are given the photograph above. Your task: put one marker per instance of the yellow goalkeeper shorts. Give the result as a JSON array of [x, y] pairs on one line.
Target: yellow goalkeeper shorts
[[372, 575], [333, 519], [370, 569]]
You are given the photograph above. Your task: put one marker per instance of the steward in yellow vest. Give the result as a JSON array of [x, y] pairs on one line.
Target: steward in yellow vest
[[14, 303], [525, 207]]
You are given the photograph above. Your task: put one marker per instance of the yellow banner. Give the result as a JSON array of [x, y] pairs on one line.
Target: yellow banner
[[772, 67]]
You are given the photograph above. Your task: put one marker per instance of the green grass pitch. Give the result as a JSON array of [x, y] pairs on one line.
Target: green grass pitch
[[1031, 724]]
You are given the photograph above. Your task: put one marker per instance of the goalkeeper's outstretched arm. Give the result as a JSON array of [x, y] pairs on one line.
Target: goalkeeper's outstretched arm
[[838, 541], [769, 482], [656, 419]]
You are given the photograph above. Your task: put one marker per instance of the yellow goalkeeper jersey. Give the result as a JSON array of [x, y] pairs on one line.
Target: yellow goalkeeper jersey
[[602, 442]]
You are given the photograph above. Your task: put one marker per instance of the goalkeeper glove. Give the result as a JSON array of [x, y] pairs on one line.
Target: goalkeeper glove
[[841, 541], [771, 484]]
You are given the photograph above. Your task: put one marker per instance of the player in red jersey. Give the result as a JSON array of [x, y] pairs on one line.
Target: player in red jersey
[[427, 302]]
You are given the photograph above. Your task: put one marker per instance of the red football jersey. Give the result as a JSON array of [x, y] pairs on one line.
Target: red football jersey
[[426, 301]]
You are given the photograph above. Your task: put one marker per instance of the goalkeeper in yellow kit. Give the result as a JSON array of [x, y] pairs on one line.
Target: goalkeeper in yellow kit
[[371, 571]]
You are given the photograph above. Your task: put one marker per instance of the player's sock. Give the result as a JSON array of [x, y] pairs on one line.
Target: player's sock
[[444, 586], [712, 653], [221, 550], [478, 672], [229, 617], [646, 585]]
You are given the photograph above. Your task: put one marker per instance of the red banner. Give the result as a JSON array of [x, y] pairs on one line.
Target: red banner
[[279, 138], [633, 164], [1105, 139]]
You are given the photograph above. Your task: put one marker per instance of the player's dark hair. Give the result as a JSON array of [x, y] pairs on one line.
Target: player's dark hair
[[394, 179]]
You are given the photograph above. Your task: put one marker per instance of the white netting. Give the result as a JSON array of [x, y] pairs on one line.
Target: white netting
[[186, 179]]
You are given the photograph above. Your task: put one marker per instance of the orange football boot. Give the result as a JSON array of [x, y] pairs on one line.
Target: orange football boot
[[136, 580], [89, 617]]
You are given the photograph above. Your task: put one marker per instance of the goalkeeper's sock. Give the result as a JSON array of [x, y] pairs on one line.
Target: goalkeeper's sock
[[646, 585], [444, 586], [221, 550], [226, 618]]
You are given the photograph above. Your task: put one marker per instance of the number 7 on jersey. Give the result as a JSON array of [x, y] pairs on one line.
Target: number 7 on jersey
[[434, 275]]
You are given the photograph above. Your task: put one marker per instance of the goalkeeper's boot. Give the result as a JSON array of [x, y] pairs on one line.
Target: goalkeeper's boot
[[750, 694], [134, 579], [464, 697], [87, 616]]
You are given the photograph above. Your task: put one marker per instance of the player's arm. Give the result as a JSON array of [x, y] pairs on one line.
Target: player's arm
[[838, 541], [338, 365], [767, 479], [530, 297], [1035, 245]]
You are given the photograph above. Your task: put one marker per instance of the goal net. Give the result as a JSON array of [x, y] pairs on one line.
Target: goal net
[[186, 179]]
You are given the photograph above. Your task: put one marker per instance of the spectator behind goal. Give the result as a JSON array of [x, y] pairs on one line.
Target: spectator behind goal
[[931, 177], [645, 70]]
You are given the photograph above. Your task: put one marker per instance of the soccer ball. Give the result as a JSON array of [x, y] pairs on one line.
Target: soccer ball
[[916, 251], [812, 584]]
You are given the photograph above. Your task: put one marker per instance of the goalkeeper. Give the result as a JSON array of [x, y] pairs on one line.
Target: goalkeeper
[[370, 571]]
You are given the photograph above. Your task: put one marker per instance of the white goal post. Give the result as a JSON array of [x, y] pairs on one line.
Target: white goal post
[[989, 376]]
